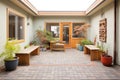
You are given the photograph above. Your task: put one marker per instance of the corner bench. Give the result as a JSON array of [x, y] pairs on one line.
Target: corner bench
[[24, 55]]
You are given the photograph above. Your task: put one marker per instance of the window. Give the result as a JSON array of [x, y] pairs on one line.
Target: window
[[77, 30], [16, 26], [53, 28]]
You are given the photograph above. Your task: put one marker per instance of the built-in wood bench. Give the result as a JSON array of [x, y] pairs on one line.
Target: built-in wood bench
[[93, 51], [24, 55]]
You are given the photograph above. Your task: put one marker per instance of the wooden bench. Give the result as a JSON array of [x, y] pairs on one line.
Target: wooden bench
[[24, 55], [59, 45], [93, 51]]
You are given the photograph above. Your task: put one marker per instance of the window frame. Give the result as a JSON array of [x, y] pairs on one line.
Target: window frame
[[72, 29], [20, 15], [53, 23]]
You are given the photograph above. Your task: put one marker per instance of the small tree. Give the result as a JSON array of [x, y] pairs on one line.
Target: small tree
[[44, 36]]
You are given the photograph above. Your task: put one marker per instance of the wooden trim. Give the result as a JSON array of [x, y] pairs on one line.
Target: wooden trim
[[8, 10], [52, 22], [61, 31], [72, 29], [61, 13], [26, 5], [7, 24], [15, 12], [19, 41], [94, 5]]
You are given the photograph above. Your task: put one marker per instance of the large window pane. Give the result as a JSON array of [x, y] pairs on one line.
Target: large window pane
[[77, 30], [53, 28], [16, 26], [20, 28]]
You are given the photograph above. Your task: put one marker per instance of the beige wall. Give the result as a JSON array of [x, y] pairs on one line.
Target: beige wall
[[39, 22], [106, 12], [4, 4]]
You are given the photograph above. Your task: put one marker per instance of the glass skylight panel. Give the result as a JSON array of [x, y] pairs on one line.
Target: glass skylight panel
[[62, 5]]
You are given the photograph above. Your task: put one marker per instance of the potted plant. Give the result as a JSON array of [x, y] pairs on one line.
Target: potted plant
[[80, 46], [84, 42], [11, 61], [44, 37], [105, 58]]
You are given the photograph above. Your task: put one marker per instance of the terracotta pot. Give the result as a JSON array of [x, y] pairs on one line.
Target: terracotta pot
[[106, 60]]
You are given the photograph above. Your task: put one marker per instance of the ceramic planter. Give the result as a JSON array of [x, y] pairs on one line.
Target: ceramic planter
[[11, 64], [106, 60], [80, 48]]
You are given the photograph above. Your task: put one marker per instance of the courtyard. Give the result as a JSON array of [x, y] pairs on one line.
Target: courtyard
[[59, 65]]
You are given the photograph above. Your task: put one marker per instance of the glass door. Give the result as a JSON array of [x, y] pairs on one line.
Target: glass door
[[65, 33]]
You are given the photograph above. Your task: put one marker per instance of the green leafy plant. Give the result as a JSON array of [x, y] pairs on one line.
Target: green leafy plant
[[103, 49], [44, 36], [10, 49], [33, 42], [85, 42], [26, 46]]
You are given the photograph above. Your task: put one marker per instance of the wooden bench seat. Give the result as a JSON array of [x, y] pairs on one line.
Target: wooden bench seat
[[24, 55], [59, 45], [93, 51]]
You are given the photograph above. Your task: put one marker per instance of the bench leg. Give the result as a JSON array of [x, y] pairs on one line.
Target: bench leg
[[24, 59], [36, 51], [94, 55]]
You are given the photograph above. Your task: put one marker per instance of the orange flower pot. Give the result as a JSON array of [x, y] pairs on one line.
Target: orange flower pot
[[106, 60]]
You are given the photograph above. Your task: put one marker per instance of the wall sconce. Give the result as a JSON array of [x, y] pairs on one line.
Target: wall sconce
[[28, 18], [28, 23], [21, 27]]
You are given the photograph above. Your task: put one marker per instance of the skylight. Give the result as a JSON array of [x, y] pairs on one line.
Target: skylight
[[62, 5]]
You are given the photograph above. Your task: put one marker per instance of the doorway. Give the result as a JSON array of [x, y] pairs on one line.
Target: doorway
[[65, 33]]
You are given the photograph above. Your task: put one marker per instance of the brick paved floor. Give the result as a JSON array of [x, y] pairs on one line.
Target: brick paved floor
[[69, 65]]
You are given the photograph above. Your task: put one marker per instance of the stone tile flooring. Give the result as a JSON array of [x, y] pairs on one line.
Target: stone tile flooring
[[69, 65]]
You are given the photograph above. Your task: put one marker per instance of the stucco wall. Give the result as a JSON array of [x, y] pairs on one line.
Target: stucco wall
[[39, 22], [4, 4], [106, 12]]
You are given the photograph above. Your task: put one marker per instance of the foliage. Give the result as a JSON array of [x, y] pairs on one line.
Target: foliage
[[26, 46], [85, 42], [33, 42], [44, 35], [103, 49], [10, 49]]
